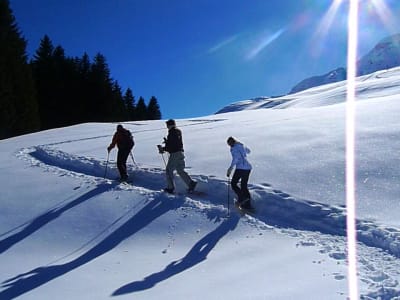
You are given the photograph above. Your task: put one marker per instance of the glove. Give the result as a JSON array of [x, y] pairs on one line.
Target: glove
[[109, 149], [228, 172], [161, 149]]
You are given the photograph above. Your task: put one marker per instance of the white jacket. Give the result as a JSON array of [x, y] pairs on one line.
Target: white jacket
[[239, 157]]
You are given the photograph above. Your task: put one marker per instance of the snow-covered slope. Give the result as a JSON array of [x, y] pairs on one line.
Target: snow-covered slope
[[254, 103], [68, 233], [380, 83]]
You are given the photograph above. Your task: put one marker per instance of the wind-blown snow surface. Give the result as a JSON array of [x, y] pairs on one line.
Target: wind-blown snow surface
[[68, 233]]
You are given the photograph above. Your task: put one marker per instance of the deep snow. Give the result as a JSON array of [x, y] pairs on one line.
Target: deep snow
[[68, 233]]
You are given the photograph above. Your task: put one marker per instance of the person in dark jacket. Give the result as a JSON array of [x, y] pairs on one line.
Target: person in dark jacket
[[124, 140], [176, 161]]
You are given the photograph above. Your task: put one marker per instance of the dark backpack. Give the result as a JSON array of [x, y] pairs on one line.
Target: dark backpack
[[127, 141]]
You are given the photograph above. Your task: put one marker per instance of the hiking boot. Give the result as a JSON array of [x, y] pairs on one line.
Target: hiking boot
[[192, 186], [124, 178], [169, 191], [245, 204]]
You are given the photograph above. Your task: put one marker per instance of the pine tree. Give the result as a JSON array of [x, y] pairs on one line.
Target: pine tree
[[100, 103], [118, 106], [130, 105], [44, 74], [84, 89], [18, 105], [141, 110], [153, 109]]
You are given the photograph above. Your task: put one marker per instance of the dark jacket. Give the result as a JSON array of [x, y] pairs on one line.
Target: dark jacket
[[123, 139], [174, 142]]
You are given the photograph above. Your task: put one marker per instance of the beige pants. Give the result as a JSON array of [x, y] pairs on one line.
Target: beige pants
[[176, 162]]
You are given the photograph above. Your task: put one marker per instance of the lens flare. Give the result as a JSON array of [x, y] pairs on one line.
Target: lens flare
[[385, 15], [350, 149], [324, 26], [265, 41]]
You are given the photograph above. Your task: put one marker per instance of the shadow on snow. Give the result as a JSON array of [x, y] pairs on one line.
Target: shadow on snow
[[49, 216], [35, 278], [196, 255]]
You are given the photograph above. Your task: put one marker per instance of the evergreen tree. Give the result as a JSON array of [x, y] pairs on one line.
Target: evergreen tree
[[18, 106], [100, 103], [141, 110], [118, 106], [84, 89], [130, 105], [64, 89], [153, 109], [45, 79]]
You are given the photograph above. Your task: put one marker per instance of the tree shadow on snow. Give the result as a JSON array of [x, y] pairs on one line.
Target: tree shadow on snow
[[196, 255], [35, 278], [49, 216]]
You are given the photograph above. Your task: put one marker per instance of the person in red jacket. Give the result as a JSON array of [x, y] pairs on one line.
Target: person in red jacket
[[124, 141]]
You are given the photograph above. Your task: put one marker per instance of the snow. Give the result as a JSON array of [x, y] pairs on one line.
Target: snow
[[68, 233]]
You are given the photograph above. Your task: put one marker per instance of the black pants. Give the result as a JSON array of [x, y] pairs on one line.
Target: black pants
[[121, 162], [243, 176]]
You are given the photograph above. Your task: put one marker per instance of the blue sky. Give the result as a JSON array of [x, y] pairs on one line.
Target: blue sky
[[197, 56]]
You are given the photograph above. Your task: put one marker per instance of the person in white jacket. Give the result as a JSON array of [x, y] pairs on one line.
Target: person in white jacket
[[242, 172]]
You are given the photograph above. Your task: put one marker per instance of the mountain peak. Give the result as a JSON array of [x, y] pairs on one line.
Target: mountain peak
[[385, 55]]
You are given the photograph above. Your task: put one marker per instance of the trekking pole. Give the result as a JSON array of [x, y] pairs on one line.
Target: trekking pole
[[162, 154], [105, 172], [133, 159], [229, 187], [161, 151]]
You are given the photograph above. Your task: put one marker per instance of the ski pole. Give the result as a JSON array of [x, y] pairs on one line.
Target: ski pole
[[229, 187], [162, 154], [133, 159], [105, 172], [161, 151]]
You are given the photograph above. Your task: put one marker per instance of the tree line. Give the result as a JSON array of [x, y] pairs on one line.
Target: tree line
[[53, 90]]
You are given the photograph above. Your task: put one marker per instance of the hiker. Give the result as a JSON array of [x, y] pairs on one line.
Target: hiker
[[242, 172], [176, 160], [124, 141]]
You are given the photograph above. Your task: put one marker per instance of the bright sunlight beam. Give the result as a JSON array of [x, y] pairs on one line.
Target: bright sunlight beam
[[327, 20], [385, 15], [350, 149], [264, 43], [323, 28]]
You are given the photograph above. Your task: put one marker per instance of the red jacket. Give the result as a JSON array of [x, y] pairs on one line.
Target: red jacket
[[123, 139]]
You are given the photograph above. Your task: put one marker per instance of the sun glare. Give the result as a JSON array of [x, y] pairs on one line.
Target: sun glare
[[380, 8], [324, 26], [328, 18], [350, 149], [365, 9]]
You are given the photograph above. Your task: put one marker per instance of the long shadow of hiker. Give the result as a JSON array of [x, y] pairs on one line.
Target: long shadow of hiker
[[49, 216], [195, 256], [26, 282]]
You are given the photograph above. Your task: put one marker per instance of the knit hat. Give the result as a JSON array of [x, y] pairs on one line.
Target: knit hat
[[231, 141], [170, 122]]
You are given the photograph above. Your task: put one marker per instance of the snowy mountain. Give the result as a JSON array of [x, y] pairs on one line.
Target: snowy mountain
[[385, 55], [68, 230], [266, 102], [332, 76], [323, 95]]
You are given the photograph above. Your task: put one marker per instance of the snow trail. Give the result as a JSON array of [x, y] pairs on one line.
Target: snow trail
[[274, 207]]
